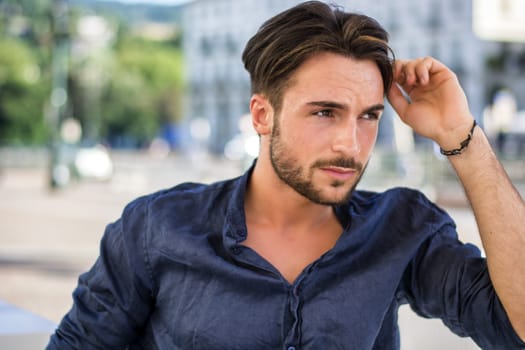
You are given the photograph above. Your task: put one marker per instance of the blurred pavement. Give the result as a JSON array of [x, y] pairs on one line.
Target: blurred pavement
[[48, 238]]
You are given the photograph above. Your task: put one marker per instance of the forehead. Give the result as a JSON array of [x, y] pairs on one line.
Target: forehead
[[328, 76]]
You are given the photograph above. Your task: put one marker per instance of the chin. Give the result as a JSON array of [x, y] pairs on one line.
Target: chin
[[339, 198], [342, 195]]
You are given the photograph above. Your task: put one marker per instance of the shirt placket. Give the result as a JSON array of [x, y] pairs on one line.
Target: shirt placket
[[293, 336]]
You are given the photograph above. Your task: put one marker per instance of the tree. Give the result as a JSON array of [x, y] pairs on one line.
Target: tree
[[145, 90], [23, 92], [125, 92]]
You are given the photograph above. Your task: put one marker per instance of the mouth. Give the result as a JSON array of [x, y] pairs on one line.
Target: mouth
[[339, 173]]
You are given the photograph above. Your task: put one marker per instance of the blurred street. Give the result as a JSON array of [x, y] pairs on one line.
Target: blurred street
[[48, 238]]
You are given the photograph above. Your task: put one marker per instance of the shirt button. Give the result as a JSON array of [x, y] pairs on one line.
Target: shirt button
[[291, 348]]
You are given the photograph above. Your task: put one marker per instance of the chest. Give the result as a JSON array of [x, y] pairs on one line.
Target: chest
[[291, 251], [242, 303], [291, 257]]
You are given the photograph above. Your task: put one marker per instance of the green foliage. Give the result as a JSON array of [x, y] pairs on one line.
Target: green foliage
[[128, 109], [146, 82], [125, 90], [22, 94], [161, 65]]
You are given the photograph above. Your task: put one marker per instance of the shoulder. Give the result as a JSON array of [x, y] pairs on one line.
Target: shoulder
[[183, 196], [188, 208], [407, 206], [182, 205], [397, 195]]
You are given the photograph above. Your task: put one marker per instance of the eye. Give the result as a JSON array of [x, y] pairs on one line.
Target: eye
[[372, 116], [324, 113]]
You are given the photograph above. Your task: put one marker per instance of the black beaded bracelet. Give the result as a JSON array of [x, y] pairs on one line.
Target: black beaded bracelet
[[462, 145]]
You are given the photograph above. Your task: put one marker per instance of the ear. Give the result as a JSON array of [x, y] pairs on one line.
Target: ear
[[262, 114]]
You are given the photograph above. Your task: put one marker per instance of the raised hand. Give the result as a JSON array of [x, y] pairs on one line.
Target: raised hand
[[435, 105]]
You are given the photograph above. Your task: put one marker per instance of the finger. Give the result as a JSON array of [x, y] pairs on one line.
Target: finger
[[397, 99], [435, 66], [400, 67], [405, 72], [422, 70], [400, 78]]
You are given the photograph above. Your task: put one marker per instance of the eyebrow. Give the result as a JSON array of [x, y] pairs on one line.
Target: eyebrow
[[328, 104], [336, 105], [374, 108]]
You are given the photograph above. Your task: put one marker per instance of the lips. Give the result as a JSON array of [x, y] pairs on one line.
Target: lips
[[339, 172]]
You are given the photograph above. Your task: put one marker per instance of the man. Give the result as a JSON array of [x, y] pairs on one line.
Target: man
[[289, 256]]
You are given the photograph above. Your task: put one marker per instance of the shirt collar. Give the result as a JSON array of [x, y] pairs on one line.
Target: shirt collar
[[235, 230]]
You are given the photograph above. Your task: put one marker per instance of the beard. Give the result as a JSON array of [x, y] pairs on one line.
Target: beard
[[297, 177]]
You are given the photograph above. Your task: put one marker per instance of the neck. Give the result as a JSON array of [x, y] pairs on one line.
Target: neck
[[272, 203], [285, 228]]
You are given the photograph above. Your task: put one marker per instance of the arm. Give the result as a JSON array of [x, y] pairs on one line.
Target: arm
[[439, 111], [113, 300]]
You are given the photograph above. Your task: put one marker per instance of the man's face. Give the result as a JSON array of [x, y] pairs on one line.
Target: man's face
[[327, 126]]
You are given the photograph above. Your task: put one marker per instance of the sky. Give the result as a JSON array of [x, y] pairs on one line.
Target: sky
[[159, 2]]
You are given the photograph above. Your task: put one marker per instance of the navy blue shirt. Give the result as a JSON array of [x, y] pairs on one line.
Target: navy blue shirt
[[173, 274]]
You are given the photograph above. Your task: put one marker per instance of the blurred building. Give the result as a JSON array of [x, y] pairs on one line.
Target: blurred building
[[215, 32]]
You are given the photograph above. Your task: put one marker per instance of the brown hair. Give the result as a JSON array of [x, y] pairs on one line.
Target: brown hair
[[285, 41]]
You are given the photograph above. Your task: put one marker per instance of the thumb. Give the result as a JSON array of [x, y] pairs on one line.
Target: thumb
[[397, 99]]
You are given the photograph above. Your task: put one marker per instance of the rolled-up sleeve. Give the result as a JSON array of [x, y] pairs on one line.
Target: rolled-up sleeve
[[450, 280], [112, 301]]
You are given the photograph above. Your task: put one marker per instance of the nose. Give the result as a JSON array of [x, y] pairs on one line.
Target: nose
[[345, 140]]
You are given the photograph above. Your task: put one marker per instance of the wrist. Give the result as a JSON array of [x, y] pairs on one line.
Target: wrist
[[458, 149]]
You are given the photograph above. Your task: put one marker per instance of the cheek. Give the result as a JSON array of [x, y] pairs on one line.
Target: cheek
[[368, 137], [311, 143], [297, 137]]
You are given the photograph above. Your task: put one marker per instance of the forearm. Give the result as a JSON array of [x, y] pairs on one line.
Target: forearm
[[500, 214]]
